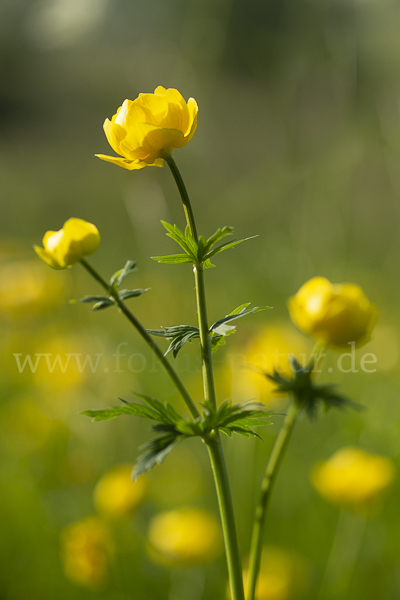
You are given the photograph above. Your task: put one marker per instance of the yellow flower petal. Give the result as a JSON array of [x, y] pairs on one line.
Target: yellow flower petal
[[144, 130]]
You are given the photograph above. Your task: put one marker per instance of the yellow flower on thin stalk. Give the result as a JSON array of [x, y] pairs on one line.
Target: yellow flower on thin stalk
[[334, 314], [144, 130], [353, 479], [63, 248]]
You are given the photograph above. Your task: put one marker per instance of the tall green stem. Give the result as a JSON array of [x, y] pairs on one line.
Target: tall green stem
[[213, 442], [148, 339], [275, 459]]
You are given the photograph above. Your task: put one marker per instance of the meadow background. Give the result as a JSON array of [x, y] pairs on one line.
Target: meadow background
[[298, 141]]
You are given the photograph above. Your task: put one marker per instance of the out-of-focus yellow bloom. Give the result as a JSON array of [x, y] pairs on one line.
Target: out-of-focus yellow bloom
[[336, 314], [63, 248], [144, 130], [116, 495], [270, 349], [184, 537], [353, 479], [27, 428], [28, 289], [283, 575], [87, 550]]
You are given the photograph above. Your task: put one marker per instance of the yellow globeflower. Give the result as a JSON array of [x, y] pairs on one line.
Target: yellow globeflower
[[144, 130], [353, 479], [116, 495], [62, 249], [336, 314], [87, 549], [184, 537]]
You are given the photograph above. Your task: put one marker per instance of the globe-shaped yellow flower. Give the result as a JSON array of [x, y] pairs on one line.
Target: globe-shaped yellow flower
[[145, 130], [62, 249], [353, 479], [335, 314], [184, 537]]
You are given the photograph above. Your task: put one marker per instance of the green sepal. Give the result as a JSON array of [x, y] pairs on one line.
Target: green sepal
[[120, 275]]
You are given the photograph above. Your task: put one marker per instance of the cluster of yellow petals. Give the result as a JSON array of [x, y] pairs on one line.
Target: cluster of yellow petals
[[184, 537], [353, 479], [144, 130], [334, 314], [63, 248]]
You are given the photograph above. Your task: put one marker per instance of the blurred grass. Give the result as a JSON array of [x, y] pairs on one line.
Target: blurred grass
[[298, 141]]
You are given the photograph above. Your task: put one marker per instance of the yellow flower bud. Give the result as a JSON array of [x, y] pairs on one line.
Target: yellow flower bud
[[144, 130], [61, 249], [353, 479], [184, 537], [116, 495], [336, 314]]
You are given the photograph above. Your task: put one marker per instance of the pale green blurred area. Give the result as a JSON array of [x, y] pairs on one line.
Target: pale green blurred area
[[298, 141]]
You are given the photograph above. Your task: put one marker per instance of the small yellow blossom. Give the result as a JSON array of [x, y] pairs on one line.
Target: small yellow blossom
[[184, 537], [63, 248], [116, 495], [87, 550], [336, 314], [353, 479], [144, 130]]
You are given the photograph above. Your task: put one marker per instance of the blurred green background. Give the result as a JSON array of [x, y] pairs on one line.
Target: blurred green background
[[298, 141]]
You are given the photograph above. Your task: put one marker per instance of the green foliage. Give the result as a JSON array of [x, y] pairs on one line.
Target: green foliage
[[180, 334], [196, 252], [101, 302], [174, 428], [308, 394]]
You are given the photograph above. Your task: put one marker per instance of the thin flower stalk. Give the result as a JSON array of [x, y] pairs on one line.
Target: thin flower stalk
[[213, 442]]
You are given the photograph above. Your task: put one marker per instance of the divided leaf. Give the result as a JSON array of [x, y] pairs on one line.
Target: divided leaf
[[120, 275]]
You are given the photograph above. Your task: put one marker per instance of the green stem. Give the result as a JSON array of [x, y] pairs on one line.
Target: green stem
[[271, 471], [187, 207], [213, 442], [148, 339], [275, 459]]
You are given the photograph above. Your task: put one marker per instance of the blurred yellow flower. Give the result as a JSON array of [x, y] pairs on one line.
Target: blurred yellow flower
[[63, 248], [336, 314], [270, 349], [184, 537], [116, 495], [28, 289], [353, 479], [87, 549], [283, 575], [144, 130]]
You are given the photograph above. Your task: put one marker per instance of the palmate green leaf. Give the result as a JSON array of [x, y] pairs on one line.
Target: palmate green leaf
[[185, 240], [226, 246], [179, 334], [106, 303], [118, 277], [166, 412]]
